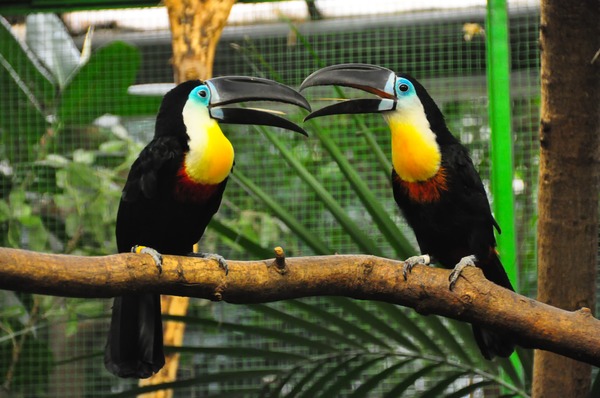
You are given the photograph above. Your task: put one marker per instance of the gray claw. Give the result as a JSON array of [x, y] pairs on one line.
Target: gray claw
[[156, 256], [410, 262], [468, 261], [213, 256]]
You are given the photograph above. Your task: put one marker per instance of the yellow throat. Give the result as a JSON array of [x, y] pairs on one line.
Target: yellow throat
[[210, 158], [416, 154]]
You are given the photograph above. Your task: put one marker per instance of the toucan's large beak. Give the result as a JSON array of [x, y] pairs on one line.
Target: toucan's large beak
[[370, 78], [234, 89]]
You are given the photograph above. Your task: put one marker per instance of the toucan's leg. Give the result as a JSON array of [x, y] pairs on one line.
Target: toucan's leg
[[139, 249], [467, 261], [213, 256], [410, 262]]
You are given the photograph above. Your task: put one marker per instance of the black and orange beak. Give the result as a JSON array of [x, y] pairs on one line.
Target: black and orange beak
[[370, 78], [233, 89]]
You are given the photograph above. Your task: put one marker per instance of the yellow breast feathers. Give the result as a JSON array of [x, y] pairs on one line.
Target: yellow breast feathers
[[416, 155], [210, 158]]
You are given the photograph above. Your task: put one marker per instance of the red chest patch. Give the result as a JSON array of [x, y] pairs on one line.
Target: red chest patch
[[426, 191], [189, 191]]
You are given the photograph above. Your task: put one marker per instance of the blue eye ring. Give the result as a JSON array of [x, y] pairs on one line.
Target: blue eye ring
[[404, 87], [201, 94]]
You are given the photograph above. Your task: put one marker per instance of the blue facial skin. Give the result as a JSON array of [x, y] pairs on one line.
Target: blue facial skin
[[404, 88], [200, 94]]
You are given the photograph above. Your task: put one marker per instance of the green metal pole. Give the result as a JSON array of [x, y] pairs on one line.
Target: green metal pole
[[498, 79]]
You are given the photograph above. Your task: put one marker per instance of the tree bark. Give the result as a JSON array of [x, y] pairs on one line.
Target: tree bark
[[196, 27], [473, 299], [569, 179]]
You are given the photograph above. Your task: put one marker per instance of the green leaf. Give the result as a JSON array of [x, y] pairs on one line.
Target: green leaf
[[409, 380], [53, 160], [526, 358], [274, 389], [372, 382], [4, 211], [469, 346], [379, 215], [249, 245], [284, 337], [393, 328], [384, 163], [48, 38], [84, 157], [509, 368], [27, 95], [412, 328], [438, 328], [20, 210], [100, 87], [349, 327], [318, 383], [347, 378], [223, 376], [113, 147], [37, 236], [366, 318], [438, 388], [309, 376], [361, 239], [466, 391], [78, 358], [308, 328], [30, 78], [293, 224], [239, 352]]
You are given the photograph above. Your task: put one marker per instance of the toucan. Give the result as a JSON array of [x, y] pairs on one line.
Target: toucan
[[172, 191], [433, 179]]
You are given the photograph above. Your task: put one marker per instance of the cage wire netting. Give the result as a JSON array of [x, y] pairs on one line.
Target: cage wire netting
[[62, 168]]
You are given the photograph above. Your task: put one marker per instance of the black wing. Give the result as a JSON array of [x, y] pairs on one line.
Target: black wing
[[161, 158], [150, 213]]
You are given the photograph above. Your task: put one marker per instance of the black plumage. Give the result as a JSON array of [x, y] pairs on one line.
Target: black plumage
[[152, 214], [164, 206], [440, 194]]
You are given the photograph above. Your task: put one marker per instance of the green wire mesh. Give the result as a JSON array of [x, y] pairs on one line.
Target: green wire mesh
[[53, 201]]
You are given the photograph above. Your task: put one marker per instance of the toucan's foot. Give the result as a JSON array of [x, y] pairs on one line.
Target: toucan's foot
[[410, 262], [468, 261], [213, 256], [139, 249]]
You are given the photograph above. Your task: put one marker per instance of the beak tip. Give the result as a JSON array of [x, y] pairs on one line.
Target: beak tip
[[370, 78], [307, 106], [308, 117]]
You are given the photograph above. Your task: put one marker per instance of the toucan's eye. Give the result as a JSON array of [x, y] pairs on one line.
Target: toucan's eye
[[202, 93], [403, 87]]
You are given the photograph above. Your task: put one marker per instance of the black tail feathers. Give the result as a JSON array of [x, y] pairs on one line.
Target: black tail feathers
[[493, 344], [135, 339]]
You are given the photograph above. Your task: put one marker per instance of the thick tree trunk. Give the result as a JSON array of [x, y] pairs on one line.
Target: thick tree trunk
[[569, 179]]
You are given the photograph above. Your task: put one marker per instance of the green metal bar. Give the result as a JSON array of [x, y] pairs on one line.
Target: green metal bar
[[498, 69], [498, 80]]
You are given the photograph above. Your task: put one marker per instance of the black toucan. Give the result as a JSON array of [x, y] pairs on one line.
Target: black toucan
[[173, 189], [434, 181]]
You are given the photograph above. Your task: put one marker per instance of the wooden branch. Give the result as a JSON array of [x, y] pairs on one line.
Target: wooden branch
[[474, 298]]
